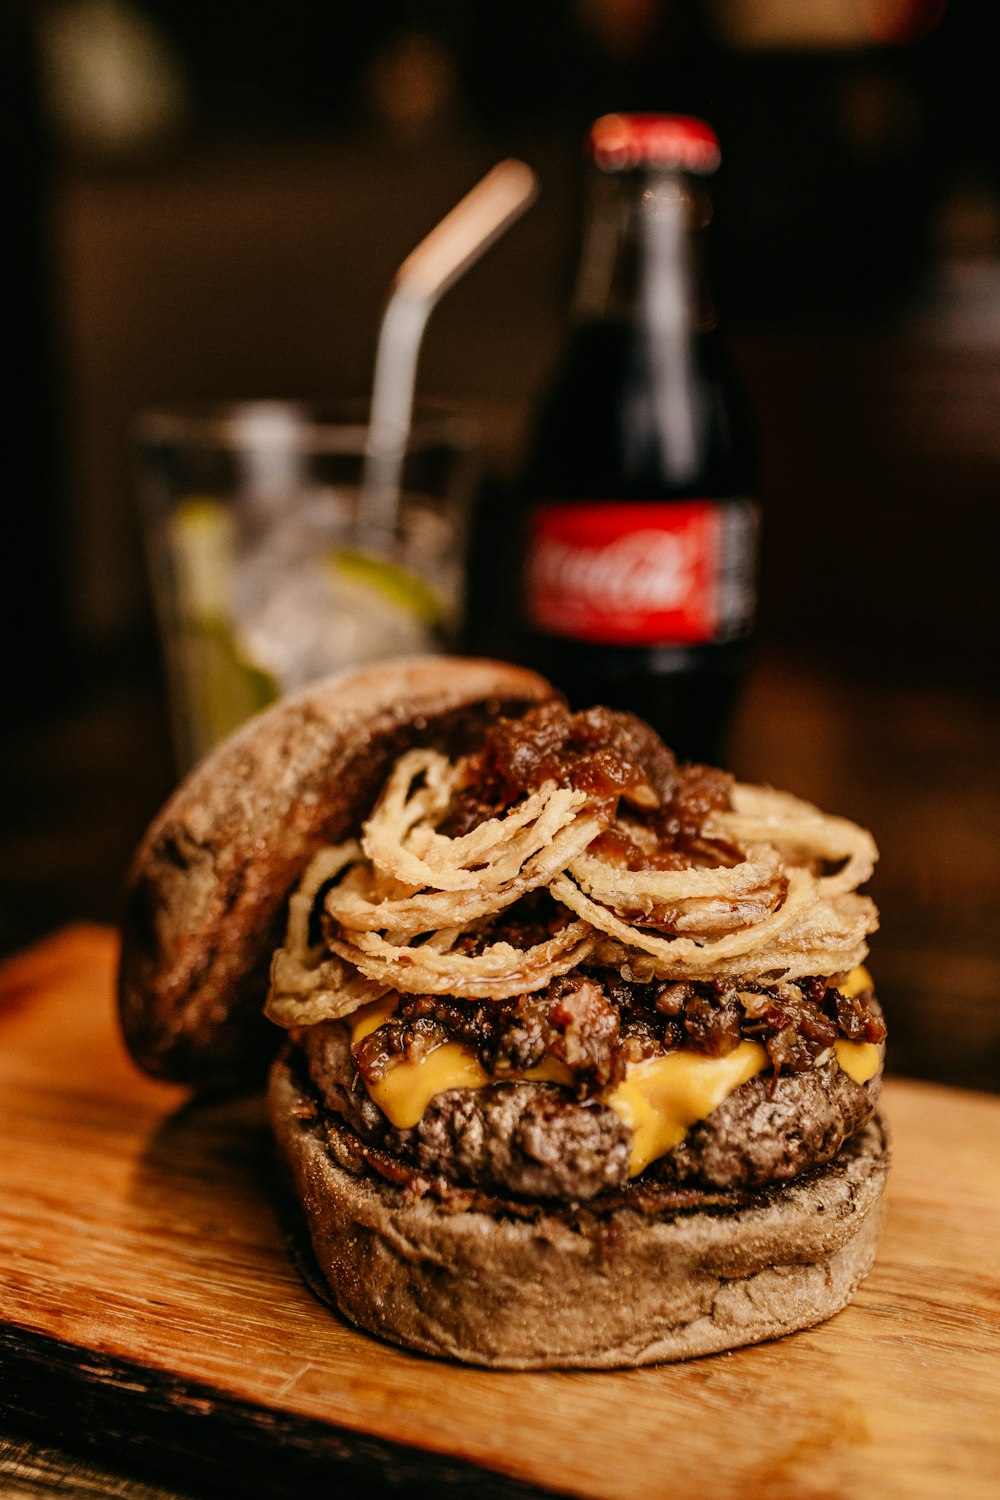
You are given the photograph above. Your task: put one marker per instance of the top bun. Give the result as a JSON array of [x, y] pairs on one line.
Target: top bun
[[209, 884]]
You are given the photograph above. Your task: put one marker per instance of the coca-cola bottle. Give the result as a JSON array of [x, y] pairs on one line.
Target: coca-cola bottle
[[639, 546]]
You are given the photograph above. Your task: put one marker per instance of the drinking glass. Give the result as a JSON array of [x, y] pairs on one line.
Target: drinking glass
[[261, 579]]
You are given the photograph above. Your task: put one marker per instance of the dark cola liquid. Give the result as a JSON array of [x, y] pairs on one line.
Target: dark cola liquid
[[601, 437]]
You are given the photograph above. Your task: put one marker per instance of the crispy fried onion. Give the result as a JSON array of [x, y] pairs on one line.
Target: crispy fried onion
[[411, 908], [703, 901], [400, 839], [806, 935], [307, 985], [799, 832]]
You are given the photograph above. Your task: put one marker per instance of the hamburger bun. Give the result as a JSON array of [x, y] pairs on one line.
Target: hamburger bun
[[207, 891]]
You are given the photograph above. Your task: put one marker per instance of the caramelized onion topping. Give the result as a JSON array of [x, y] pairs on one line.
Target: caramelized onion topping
[[595, 1024]]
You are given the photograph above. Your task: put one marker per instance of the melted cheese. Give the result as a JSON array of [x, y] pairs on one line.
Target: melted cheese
[[857, 980], [408, 1087], [659, 1100], [859, 1060], [663, 1097], [370, 1017]]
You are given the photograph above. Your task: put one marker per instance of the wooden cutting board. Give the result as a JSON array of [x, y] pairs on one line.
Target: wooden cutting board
[[145, 1286]]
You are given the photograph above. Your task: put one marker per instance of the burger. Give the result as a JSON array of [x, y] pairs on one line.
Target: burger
[[573, 1057]]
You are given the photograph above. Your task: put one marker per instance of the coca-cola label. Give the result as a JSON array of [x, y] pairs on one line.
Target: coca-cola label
[[650, 573]]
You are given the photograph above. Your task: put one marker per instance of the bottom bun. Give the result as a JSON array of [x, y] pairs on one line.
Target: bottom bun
[[588, 1291]]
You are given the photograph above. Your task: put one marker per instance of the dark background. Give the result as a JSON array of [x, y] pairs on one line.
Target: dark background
[[209, 201]]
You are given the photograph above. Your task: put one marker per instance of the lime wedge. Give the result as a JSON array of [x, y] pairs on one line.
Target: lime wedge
[[396, 584], [204, 542], [222, 687], [220, 684]]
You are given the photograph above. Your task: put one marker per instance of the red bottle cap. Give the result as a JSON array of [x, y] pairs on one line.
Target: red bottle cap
[[672, 142]]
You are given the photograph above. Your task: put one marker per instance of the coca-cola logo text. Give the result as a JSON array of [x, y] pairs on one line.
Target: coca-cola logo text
[[629, 573], [647, 570]]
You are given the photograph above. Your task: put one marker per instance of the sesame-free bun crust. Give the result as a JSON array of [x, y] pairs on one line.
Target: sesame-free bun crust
[[590, 1292], [208, 888]]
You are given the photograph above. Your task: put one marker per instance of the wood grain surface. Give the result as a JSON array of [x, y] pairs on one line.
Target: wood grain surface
[[144, 1277]]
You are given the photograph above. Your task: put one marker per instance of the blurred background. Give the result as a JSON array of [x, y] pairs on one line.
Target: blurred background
[[208, 202]]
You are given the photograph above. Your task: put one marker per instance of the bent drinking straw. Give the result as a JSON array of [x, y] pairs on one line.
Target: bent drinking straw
[[461, 237]]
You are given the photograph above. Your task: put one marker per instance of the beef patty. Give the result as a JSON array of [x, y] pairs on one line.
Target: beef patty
[[535, 1140]]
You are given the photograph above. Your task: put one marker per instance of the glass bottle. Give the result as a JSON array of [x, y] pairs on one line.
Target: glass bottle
[[639, 543]]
